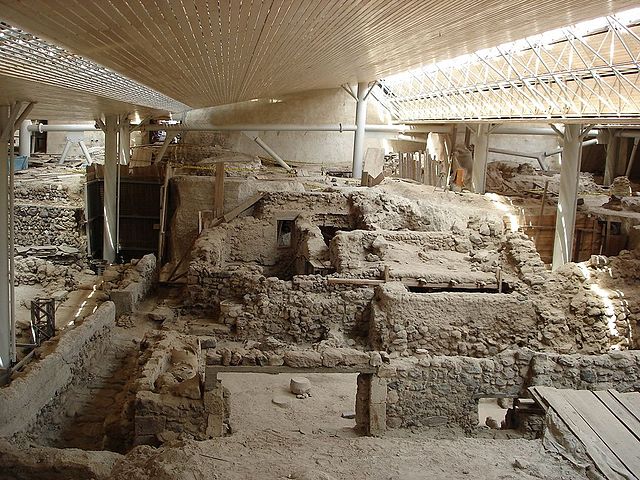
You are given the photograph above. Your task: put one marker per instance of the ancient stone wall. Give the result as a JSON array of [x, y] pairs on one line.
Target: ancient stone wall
[[309, 247], [170, 397], [133, 284], [437, 390], [304, 309], [315, 204], [49, 225], [34, 392], [450, 323]]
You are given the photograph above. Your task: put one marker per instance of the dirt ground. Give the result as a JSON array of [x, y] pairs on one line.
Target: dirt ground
[[308, 439], [283, 454]]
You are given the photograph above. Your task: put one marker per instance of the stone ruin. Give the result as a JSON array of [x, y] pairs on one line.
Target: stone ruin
[[458, 308]]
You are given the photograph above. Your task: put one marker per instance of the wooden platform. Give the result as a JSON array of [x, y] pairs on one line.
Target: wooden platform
[[607, 423]]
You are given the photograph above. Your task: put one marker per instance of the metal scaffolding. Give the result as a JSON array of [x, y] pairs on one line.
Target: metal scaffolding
[[588, 70]]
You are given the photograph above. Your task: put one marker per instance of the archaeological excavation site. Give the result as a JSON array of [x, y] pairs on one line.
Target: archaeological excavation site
[[319, 240]]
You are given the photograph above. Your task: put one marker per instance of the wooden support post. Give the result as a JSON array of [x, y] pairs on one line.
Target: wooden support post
[[218, 199], [163, 214], [542, 205], [612, 157]]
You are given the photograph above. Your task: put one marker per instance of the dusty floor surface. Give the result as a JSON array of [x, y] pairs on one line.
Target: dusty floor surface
[[253, 408], [274, 454], [308, 439]]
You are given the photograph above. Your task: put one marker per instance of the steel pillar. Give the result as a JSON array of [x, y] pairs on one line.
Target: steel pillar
[[361, 122], [272, 153], [5, 308], [125, 142], [25, 138], [110, 208], [480, 155], [568, 196], [612, 158]]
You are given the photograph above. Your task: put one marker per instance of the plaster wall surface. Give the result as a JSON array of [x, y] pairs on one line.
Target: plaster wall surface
[[321, 106], [525, 144], [57, 140]]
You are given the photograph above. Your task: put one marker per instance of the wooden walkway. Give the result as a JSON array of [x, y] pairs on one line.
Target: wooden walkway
[[607, 423]]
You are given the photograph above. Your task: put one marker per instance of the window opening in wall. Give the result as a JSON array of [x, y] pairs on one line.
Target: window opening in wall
[[261, 401], [285, 229], [492, 412]]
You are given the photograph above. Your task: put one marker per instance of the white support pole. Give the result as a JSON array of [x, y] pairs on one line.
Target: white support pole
[[612, 158], [125, 141], [5, 310], [65, 151], [85, 151], [480, 155], [110, 209], [568, 196], [361, 122], [272, 153], [25, 139]]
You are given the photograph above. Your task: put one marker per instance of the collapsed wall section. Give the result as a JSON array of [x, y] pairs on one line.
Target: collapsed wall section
[[169, 392]]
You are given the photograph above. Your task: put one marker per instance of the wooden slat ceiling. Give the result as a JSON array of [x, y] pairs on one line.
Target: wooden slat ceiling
[[57, 103], [212, 52]]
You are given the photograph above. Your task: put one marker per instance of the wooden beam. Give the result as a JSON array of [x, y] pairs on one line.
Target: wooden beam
[[248, 203], [163, 214], [218, 199]]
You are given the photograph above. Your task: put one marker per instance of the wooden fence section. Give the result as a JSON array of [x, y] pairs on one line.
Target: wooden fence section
[[420, 167]]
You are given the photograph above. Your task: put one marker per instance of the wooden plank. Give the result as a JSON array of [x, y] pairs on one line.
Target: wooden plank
[[275, 370], [248, 203], [598, 451], [627, 418], [163, 213], [621, 442], [218, 199], [631, 401]]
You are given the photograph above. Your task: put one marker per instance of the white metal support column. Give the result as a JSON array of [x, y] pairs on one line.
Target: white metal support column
[[568, 196], [110, 209], [361, 122], [125, 141], [5, 313], [25, 138], [480, 155], [612, 157]]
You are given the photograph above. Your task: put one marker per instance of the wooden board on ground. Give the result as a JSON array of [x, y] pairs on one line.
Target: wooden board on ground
[[608, 430]]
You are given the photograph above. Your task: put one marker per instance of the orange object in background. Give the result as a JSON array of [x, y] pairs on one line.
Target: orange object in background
[[459, 177]]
